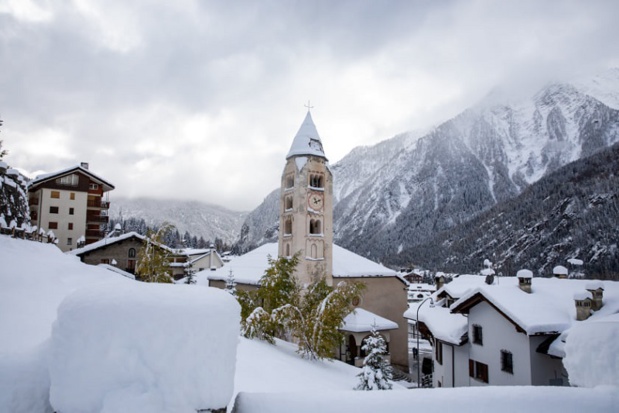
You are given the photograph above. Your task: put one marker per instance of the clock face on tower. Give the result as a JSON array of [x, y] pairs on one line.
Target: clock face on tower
[[315, 202]]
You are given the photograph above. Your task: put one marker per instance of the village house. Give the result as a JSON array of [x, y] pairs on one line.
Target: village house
[[73, 203], [122, 252], [306, 228], [508, 330]]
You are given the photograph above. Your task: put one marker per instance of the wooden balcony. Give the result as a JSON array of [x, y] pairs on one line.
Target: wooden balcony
[[97, 219], [98, 204]]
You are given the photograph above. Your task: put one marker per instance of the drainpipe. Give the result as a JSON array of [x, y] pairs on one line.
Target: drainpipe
[[453, 366]]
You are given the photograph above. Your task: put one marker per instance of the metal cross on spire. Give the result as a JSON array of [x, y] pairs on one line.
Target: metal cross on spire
[[308, 106]]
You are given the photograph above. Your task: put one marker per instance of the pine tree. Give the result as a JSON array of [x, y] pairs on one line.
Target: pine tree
[[231, 284], [190, 273], [153, 263], [376, 373]]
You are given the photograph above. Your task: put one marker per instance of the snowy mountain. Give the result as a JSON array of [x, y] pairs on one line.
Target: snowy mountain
[[401, 192], [570, 213], [200, 219]]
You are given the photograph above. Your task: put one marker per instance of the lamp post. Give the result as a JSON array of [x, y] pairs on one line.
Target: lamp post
[[417, 327]]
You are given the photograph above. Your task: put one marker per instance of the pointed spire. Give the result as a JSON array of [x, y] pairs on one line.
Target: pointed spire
[[307, 141]]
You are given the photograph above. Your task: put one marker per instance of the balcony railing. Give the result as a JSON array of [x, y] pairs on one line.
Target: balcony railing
[[33, 201], [94, 233], [98, 204], [100, 219]]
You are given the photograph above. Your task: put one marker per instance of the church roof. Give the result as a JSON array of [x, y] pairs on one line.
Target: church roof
[[307, 141], [250, 267]]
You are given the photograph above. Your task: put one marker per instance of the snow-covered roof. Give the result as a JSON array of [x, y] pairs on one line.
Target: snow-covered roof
[[549, 308], [360, 321], [112, 240], [249, 268], [107, 186], [307, 141], [117, 271]]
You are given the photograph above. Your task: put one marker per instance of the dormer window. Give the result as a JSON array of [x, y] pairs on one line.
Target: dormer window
[[68, 180], [316, 181]]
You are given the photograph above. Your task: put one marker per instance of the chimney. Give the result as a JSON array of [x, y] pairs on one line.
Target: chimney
[[439, 280], [596, 288], [559, 271], [583, 305], [524, 280], [84, 165]]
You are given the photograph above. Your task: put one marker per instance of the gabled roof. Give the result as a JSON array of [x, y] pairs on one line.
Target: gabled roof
[[250, 267], [113, 240], [361, 321], [307, 141], [107, 186]]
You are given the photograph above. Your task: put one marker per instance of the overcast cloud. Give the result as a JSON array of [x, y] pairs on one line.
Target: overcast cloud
[[193, 99]]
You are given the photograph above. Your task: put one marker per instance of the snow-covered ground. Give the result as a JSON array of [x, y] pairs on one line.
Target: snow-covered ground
[[36, 279]]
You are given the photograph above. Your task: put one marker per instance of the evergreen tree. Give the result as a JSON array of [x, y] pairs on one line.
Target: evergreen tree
[[376, 373], [231, 284], [153, 263], [190, 273]]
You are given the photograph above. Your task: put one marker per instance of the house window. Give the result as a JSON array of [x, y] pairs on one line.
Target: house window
[[316, 181], [315, 226], [70, 225], [105, 260], [53, 225], [477, 335], [438, 350], [507, 361], [71, 211], [131, 252], [69, 241], [93, 186], [288, 203], [478, 371], [53, 210], [55, 194], [72, 196]]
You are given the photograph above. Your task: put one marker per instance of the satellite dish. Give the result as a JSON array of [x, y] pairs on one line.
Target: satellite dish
[[490, 279]]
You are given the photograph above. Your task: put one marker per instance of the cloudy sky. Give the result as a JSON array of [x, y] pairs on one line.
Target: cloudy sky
[[193, 99]]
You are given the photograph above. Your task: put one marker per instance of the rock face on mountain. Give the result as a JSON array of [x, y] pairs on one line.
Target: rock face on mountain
[[403, 191], [570, 213], [486, 155]]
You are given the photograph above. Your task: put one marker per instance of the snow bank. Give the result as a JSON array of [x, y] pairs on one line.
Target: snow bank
[[592, 353], [144, 347], [471, 399]]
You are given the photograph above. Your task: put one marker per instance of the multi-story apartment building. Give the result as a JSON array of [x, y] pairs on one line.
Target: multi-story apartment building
[[73, 203]]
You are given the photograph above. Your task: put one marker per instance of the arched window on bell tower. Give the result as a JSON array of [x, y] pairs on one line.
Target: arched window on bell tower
[[316, 181], [314, 253], [287, 250], [288, 203], [315, 226], [288, 226]]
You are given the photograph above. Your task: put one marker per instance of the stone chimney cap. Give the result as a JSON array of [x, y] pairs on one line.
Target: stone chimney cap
[[594, 285], [524, 274], [559, 270], [581, 295]]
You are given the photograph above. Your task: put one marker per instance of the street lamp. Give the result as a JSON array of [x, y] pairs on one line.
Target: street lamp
[[418, 353]]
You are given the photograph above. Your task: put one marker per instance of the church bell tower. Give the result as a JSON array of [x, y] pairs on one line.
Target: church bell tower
[[306, 206]]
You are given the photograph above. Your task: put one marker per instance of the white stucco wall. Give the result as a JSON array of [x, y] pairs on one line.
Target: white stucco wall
[[498, 334]]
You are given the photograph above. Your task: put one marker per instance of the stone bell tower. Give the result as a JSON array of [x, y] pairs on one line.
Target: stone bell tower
[[306, 206]]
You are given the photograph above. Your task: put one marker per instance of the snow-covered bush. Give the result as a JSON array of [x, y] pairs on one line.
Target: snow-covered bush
[[144, 347]]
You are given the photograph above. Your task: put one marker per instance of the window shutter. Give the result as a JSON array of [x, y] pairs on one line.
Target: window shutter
[[471, 368]]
